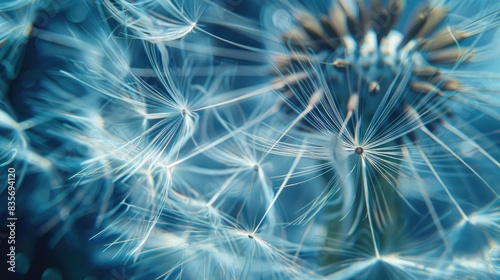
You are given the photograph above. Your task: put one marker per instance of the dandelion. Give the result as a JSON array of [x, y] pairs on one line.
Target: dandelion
[[337, 139]]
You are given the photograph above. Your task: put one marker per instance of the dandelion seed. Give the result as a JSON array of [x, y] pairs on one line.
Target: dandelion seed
[[199, 140]]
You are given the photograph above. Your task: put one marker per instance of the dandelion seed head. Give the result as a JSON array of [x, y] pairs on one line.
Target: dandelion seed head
[[157, 22]]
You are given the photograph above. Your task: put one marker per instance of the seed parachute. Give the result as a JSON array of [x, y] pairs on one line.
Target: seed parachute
[[252, 139]]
